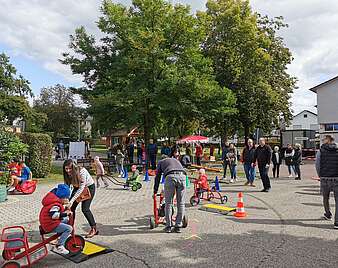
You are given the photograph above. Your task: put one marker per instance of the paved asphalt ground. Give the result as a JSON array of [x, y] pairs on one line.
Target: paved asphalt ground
[[283, 228]]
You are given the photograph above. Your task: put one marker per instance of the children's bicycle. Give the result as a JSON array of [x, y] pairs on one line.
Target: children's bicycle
[[206, 194], [159, 213], [18, 253]]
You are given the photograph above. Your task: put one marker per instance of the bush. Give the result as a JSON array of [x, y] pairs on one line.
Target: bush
[[39, 153], [11, 146]]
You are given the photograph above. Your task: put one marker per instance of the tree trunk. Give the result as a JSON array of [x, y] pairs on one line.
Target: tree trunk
[[146, 126], [246, 133]]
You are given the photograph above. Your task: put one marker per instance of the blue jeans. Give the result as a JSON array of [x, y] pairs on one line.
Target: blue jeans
[[65, 230], [250, 172], [233, 171], [290, 168]]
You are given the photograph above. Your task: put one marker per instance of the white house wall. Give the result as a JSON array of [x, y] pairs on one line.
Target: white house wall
[[327, 101], [300, 122]]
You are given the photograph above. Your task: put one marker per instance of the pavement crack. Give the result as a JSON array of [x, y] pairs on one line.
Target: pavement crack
[[282, 232], [132, 257]]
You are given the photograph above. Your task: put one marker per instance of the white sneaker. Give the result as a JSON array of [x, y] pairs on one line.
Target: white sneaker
[[119, 176], [290, 176], [231, 180], [11, 189], [61, 250]]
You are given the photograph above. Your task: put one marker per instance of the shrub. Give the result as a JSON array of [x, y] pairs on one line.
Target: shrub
[[39, 153], [11, 146]]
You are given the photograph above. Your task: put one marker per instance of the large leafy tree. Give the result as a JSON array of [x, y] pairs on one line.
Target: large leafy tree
[[13, 92], [58, 103], [147, 68], [250, 59]]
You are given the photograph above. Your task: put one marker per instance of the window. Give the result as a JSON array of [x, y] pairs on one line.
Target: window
[[305, 115], [331, 127]]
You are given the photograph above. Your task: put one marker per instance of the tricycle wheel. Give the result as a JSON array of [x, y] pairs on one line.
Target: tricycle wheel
[[194, 201], [224, 199], [185, 222], [152, 223], [8, 254], [75, 243], [139, 185], [210, 196], [11, 264], [134, 188]]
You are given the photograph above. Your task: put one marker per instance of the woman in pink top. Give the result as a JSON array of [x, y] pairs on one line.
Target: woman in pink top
[[100, 173]]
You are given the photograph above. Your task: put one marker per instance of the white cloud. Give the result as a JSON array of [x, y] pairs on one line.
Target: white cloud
[[40, 29]]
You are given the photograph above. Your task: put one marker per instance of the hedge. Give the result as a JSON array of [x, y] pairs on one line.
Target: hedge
[[39, 157]]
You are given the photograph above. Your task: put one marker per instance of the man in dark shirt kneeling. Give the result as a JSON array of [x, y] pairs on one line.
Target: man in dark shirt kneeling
[[174, 175]]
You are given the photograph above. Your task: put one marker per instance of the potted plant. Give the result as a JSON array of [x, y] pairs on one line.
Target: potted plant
[[4, 181]]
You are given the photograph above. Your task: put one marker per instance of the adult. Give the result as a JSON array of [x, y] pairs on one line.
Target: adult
[[175, 152], [288, 157], [225, 150], [61, 147], [174, 175], [100, 172], [152, 153], [131, 148], [83, 191], [139, 152], [212, 150], [276, 161], [297, 160], [198, 153], [165, 150], [263, 157], [327, 170], [247, 158], [186, 159], [232, 160]]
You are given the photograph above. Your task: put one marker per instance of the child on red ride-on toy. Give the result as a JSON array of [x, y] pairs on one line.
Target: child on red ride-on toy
[[202, 190]]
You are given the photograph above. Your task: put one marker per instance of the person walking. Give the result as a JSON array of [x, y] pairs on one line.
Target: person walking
[[83, 192], [100, 172], [175, 177], [327, 170], [152, 153], [61, 147], [288, 157], [119, 163], [263, 157], [297, 160], [247, 158], [131, 149], [232, 160], [276, 161], [225, 151], [198, 153]]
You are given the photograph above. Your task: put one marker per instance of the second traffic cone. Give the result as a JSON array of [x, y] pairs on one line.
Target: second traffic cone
[[240, 212], [146, 176], [217, 186]]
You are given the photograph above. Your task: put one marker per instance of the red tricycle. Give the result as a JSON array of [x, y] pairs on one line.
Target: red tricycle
[[18, 253], [159, 213], [27, 187], [206, 194]]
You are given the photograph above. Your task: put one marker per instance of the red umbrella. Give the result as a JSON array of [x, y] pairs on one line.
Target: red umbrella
[[192, 139]]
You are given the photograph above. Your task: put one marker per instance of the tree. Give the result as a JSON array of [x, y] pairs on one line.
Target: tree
[[57, 103], [13, 92], [251, 60], [148, 67]]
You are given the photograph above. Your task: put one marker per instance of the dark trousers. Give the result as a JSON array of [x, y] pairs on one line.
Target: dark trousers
[[297, 170], [327, 186], [225, 166], [275, 170], [85, 206], [153, 161], [198, 160], [263, 171]]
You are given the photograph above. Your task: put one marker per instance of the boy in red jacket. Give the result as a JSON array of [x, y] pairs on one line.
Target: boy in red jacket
[[202, 181], [53, 216]]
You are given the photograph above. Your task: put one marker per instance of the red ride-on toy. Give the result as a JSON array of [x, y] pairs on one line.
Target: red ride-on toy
[[27, 187], [206, 194], [159, 213], [18, 253]]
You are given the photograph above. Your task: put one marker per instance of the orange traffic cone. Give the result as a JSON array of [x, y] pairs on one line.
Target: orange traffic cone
[[240, 212]]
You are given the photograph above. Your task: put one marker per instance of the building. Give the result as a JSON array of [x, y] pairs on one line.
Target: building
[[305, 120], [327, 106]]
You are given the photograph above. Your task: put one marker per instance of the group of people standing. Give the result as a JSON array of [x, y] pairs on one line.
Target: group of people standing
[[261, 156]]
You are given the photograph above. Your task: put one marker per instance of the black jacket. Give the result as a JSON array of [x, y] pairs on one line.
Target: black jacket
[[248, 155], [297, 157], [262, 155], [274, 158], [329, 161]]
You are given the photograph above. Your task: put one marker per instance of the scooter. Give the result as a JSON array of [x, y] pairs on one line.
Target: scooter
[[159, 213], [18, 253]]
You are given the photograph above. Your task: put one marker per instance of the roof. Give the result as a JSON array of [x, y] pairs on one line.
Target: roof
[[314, 89], [305, 111]]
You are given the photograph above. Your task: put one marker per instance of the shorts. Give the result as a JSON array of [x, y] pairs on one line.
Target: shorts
[[23, 179]]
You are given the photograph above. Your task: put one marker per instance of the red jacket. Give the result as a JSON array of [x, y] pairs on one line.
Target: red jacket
[[199, 150], [203, 182], [47, 223]]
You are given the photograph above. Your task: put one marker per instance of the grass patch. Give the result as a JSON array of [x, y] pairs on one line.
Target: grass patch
[[55, 175]]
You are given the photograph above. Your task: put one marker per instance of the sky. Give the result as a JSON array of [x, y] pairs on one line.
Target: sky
[[34, 33]]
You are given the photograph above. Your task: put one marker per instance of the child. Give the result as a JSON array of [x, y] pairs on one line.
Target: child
[[133, 177], [202, 181], [100, 174], [19, 177], [53, 216], [119, 162]]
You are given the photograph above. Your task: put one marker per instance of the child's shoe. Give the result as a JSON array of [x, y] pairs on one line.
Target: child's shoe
[[61, 250]]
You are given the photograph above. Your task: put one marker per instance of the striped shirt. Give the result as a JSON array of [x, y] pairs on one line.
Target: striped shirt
[[85, 180]]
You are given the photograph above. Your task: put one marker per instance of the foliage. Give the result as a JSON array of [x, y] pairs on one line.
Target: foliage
[[11, 146], [39, 154], [36, 121], [148, 67], [58, 104], [13, 92], [251, 60]]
